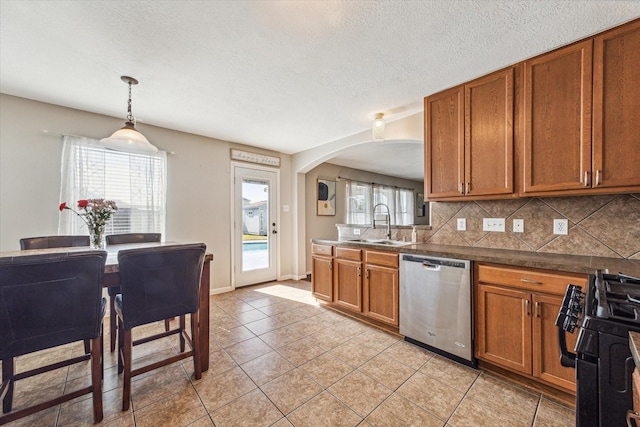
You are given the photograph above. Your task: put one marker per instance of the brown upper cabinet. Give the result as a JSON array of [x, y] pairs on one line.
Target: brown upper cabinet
[[469, 139], [557, 134], [582, 110], [616, 108], [571, 115]]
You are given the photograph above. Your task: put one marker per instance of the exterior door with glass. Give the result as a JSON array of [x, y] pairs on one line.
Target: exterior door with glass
[[255, 225]]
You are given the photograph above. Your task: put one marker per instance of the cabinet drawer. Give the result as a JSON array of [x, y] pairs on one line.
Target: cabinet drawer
[[385, 259], [535, 280], [349, 253], [326, 250]]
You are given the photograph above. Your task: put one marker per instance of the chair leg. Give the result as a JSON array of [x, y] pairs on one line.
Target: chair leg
[[87, 346], [8, 369], [126, 355], [181, 334], [120, 347], [195, 338], [96, 378], [112, 321], [167, 324]]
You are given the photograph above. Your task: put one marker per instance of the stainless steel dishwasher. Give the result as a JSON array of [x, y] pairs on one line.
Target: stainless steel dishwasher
[[435, 305]]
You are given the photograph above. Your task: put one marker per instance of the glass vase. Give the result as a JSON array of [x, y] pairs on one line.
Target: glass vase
[[96, 236]]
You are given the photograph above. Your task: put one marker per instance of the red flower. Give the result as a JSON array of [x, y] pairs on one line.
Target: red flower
[[83, 203], [63, 206]]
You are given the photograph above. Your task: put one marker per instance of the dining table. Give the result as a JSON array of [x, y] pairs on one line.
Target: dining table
[[112, 279]]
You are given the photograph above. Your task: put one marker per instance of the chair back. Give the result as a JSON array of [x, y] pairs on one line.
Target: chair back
[[120, 239], [160, 282], [49, 300], [46, 242]]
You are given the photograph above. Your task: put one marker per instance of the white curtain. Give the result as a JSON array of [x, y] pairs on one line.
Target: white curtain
[[136, 182], [362, 197], [359, 202]]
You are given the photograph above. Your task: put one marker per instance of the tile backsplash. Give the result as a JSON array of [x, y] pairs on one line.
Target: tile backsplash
[[606, 226]]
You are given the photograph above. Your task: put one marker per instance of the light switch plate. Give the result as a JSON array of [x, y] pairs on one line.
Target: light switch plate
[[462, 224], [561, 226], [518, 225], [493, 224]]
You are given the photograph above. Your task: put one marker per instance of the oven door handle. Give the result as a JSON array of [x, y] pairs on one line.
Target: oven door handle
[[567, 359], [633, 415]]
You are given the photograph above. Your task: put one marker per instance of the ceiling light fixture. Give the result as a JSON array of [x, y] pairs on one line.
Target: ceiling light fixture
[[128, 138], [378, 128]]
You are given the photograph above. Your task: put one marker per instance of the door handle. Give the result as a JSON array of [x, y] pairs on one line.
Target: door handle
[[597, 177], [537, 309], [586, 178], [526, 307]]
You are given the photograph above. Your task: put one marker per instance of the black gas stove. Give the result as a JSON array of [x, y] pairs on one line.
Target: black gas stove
[[603, 314]]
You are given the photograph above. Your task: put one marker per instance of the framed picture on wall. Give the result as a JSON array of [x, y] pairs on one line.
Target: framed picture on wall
[[419, 204], [326, 197]]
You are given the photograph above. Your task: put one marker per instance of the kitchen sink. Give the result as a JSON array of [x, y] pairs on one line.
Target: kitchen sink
[[385, 242]]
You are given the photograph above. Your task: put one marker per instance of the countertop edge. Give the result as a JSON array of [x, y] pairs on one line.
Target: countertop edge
[[548, 261]]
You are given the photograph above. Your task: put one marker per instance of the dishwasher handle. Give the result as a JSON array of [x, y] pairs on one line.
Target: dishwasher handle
[[430, 266]]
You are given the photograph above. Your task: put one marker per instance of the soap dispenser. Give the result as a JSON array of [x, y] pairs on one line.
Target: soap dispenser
[[414, 235]]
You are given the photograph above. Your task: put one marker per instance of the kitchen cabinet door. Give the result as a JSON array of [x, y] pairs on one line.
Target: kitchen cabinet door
[[444, 144], [489, 135], [546, 351], [348, 284], [616, 108], [503, 326], [322, 277], [381, 287], [557, 111]]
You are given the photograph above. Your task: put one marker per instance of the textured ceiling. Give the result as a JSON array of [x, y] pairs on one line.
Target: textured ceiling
[[283, 75]]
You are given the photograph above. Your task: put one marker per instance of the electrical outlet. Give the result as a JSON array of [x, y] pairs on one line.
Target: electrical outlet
[[462, 224], [518, 225], [356, 231], [561, 226], [493, 224]]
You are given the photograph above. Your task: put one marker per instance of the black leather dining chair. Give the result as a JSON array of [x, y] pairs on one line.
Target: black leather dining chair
[[158, 283], [49, 300], [46, 242], [121, 239]]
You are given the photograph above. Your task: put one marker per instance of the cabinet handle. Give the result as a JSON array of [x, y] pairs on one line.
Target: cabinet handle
[[330, 266], [531, 282], [597, 177], [526, 307], [460, 188], [632, 415], [468, 188], [359, 271], [586, 178], [366, 273], [537, 309]]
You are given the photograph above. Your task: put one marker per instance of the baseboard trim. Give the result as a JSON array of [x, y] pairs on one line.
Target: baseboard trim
[[216, 291]]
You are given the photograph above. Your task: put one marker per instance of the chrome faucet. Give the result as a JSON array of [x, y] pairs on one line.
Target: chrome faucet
[[373, 218]]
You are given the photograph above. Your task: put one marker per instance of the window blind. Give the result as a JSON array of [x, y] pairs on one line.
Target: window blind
[[136, 182]]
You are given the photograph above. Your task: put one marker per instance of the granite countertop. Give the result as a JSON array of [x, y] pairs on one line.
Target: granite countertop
[[558, 262]]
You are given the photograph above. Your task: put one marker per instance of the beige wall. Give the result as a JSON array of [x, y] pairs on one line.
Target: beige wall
[[199, 181], [325, 226]]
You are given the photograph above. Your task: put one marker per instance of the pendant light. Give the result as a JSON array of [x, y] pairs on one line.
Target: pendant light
[[378, 128], [128, 138]]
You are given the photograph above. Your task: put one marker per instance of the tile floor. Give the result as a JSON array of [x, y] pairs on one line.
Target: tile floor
[[278, 359]]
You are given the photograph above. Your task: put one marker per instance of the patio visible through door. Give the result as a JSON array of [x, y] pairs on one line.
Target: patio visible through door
[[255, 230]]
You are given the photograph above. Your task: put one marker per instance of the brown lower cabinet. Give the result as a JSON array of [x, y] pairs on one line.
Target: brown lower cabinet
[[322, 271], [362, 281], [516, 311], [381, 287]]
